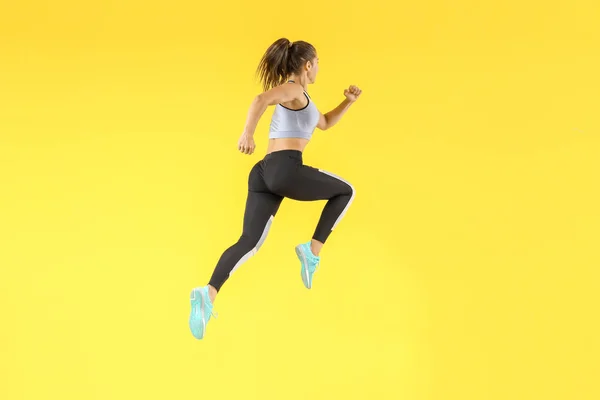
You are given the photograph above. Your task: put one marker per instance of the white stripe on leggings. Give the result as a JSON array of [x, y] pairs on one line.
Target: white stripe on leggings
[[255, 248], [349, 202]]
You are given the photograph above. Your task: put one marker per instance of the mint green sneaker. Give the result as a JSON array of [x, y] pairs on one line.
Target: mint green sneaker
[[202, 309], [308, 262]]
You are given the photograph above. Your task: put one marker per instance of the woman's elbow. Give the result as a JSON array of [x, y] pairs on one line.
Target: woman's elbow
[[258, 104], [262, 100], [323, 124]]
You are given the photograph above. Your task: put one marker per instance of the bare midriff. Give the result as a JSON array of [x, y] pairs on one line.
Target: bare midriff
[[286, 144]]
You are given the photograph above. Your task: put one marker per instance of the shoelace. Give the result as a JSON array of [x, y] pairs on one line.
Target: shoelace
[[315, 262], [212, 311], [210, 305]]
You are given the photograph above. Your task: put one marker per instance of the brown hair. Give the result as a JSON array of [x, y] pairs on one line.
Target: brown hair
[[282, 59]]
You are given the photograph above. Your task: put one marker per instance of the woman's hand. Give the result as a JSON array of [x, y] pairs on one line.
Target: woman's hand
[[246, 143], [352, 93]]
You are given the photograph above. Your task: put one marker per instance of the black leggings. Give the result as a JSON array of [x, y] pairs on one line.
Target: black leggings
[[282, 174]]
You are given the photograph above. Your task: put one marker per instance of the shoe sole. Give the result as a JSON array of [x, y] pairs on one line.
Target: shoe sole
[[197, 322], [304, 272]]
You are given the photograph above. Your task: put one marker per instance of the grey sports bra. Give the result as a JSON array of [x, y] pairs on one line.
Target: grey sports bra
[[289, 123]]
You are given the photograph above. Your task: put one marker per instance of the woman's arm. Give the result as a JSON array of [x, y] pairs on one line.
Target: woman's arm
[[331, 118], [279, 94]]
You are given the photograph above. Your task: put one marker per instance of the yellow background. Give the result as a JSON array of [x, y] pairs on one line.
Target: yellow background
[[467, 267]]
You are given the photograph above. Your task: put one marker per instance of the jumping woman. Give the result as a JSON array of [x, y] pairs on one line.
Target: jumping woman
[[285, 70]]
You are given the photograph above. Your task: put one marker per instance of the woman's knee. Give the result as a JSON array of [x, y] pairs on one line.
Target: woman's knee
[[351, 189], [246, 243], [252, 242]]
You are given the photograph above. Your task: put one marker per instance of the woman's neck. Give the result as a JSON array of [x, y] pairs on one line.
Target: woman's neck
[[298, 79]]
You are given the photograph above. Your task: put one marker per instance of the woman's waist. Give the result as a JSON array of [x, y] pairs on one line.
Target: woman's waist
[[297, 144]]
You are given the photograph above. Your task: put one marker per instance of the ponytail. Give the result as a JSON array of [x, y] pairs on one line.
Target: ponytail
[[282, 59]]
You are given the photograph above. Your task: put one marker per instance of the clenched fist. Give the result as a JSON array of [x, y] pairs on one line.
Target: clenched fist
[[352, 93]]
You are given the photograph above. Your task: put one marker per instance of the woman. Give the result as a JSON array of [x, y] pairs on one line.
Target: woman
[[285, 70]]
